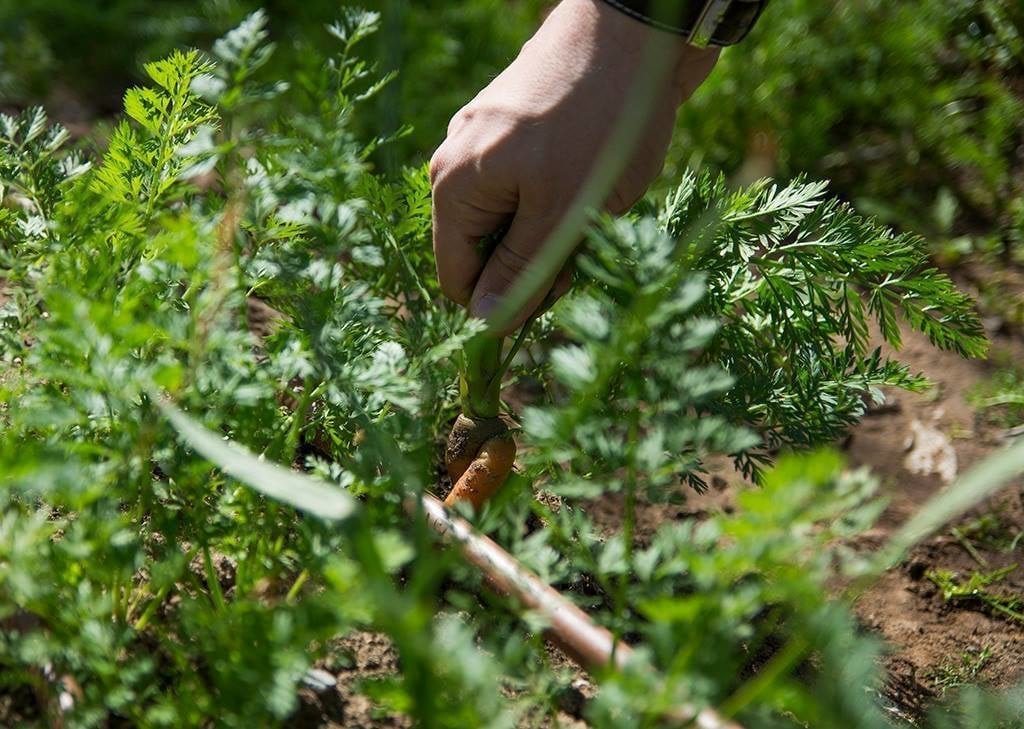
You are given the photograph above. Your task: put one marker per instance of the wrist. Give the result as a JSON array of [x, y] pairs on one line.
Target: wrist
[[631, 41]]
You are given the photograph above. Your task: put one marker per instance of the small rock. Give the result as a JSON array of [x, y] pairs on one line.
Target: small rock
[[573, 698], [929, 452], [1011, 433], [889, 406], [995, 325], [319, 680]]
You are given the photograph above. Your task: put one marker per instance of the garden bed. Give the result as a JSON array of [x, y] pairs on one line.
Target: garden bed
[[935, 645]]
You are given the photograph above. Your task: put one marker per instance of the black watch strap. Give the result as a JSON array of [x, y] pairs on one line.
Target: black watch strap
[[702, 22]]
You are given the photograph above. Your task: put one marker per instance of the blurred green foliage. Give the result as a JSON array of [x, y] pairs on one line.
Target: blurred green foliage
[[914, 110], [65, 50]]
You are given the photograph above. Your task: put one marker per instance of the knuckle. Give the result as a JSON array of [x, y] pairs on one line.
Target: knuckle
[[439, 164], [619, 202], [511, 262], [461, 117], [449, 174], [446, 197], [616, 204]]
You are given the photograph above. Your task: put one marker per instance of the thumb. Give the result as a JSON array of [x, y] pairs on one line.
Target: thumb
[[503, 271]]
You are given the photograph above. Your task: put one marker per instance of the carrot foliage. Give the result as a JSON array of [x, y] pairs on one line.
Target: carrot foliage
[[233, 250]]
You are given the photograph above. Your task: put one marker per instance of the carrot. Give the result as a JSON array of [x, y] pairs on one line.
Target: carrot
[[467, 438], [481, 450], [486, 473]]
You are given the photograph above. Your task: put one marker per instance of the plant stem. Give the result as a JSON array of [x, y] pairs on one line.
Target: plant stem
[[520, 338], [998, 605], [480, 384], [212, 583], [766, 678], [296, 586], [483, 369], [964, 542], [151, 609]]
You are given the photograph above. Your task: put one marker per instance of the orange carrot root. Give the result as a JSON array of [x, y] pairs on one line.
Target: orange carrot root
[[486, 473], [467, 439]]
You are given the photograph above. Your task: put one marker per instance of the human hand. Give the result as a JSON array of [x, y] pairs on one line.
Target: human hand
[[520, 151]]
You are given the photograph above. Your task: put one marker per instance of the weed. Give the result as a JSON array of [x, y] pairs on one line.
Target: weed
[[954, 674], [1002, 396], [976, 588], [991, 531]]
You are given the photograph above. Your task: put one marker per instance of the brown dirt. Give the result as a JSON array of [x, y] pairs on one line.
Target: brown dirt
[[910, 443], [353, 660], [898, 441], [926, 633]]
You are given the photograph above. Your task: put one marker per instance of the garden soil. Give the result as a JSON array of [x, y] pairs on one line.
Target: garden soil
[[928, 635]]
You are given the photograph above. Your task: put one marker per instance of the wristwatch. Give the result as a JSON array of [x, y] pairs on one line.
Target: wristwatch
[[702, 22]]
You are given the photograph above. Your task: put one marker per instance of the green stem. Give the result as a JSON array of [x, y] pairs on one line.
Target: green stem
[[291, 443], [483, 370], [964, 542], [151, 609], [212, 583], [514, 349], [480, 384], [998, 605], [296, 586], [767, 677]]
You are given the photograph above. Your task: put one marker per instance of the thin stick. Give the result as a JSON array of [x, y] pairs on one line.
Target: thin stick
[[571, 629]]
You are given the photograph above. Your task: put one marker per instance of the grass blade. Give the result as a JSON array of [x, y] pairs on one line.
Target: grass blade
[[303, 492]]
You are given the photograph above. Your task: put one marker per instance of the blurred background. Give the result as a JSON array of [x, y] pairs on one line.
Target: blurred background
[[914, 109]]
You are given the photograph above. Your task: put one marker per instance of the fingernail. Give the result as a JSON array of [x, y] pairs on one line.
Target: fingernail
[[484, 305]]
